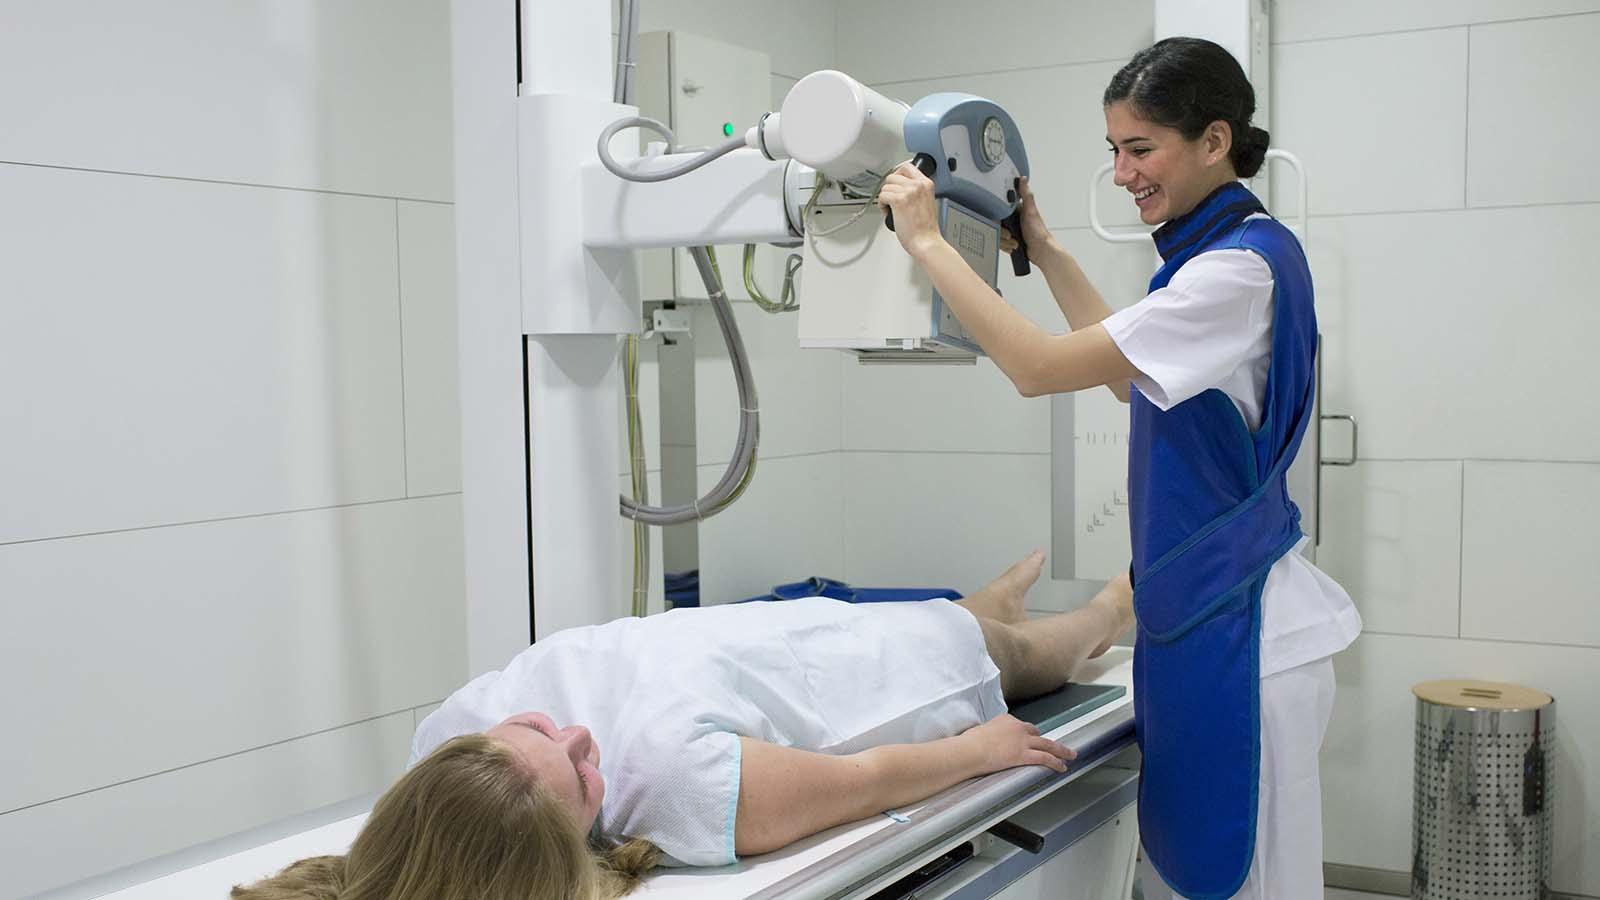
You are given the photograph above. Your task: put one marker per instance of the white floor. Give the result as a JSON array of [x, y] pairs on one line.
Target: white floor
[[1342, 894]]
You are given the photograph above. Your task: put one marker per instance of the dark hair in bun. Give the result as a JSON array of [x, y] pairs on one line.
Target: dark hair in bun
[[1188, 83]]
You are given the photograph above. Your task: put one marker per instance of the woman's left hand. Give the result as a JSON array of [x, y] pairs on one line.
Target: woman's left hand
[[916, 214]]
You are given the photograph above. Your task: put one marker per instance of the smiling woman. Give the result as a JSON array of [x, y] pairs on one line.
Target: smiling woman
[[708, 734], [1174, 113], [1216, 363]]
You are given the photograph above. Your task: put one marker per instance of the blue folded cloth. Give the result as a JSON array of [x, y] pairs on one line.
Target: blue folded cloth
[[833, 589], [683, 588]]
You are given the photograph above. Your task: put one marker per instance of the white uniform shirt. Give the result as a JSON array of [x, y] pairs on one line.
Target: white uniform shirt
[[668, 697], [1211, 327]]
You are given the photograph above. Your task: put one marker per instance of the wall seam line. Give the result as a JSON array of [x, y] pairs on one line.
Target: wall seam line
[[208, 761], [1461, 548], [1423, 28], [1466, 128], [1020, 70], [400, 315], [327, 192], [1480, 640], [219, 519]]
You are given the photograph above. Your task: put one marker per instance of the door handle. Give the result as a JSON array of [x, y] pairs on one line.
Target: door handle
[[1355, 441]]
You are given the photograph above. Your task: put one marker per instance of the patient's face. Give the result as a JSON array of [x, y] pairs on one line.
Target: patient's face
[[565, 760]]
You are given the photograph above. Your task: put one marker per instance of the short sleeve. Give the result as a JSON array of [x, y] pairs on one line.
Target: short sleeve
[[681, 796], [1212, 318]]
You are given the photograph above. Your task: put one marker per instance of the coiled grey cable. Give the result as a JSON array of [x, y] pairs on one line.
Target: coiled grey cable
[[735, 476], [603, 148]]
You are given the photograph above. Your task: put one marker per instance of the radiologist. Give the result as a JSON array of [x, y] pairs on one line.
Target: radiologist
[[1233, 675]]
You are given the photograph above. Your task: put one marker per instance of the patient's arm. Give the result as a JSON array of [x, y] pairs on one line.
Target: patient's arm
[[787, 794]]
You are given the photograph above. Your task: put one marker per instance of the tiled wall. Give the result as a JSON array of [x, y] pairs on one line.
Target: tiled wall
[[1453, 204], [1451, 217], [230, 539]]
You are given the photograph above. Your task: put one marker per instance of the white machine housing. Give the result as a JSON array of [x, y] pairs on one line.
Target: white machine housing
[[863, 294], [548, 240], [860, 292]]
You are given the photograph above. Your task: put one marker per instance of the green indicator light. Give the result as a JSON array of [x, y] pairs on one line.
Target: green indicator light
[[727, 129]]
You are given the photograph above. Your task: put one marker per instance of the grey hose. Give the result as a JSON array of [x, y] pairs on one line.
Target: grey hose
[[603, 147], [627, 37], [735, 477], [742, 466]]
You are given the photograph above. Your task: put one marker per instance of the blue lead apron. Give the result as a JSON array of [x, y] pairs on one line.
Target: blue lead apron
[[1210, 514]]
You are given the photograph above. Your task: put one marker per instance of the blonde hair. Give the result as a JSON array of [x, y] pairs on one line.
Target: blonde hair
[[469, 822]]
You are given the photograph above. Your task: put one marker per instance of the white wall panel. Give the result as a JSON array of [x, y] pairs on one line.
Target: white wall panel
[[1063, 129], [945, 519], [1391, 536], [1356, 112], [182, 351], [351, 97], [82, 836], [785, 527], [890, 40], [780, 89], [1532, 96], [183, 644], [1528, 551], [798, 390], [428, 326], [941, 408], [1462, 334], [1120, 272], [1367, 759], [799, 37], [1302, 20]]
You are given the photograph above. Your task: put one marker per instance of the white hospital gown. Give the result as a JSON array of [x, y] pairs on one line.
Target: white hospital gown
[[668, 697]]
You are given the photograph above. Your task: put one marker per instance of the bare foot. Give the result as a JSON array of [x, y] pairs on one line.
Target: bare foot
[[1003, 598], [1015, 582], [1116, 598]]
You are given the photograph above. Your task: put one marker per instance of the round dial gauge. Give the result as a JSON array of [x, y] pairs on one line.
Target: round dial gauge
[[994, 142]]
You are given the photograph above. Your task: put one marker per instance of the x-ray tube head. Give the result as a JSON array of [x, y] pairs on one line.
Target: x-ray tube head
[[843, 129], [861, 292]]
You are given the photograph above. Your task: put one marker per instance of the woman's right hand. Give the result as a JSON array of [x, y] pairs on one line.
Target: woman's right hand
[[1005, 742], [1034, 229]]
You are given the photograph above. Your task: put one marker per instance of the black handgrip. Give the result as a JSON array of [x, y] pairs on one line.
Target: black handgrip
[[1013, 224], [1012, 833], [927, 166]]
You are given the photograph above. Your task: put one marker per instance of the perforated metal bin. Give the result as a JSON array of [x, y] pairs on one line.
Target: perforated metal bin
[[1480, 824]]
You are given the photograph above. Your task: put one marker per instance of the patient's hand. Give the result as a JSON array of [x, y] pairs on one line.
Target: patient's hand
[[1005, 741]]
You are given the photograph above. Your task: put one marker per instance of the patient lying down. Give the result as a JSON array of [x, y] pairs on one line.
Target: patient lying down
[[706, 734]]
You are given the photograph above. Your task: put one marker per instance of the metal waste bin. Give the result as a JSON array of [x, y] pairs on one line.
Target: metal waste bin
[[1480, 823]]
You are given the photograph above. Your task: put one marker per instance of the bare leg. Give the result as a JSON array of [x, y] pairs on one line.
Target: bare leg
[[1039, 655], [1002, 598]]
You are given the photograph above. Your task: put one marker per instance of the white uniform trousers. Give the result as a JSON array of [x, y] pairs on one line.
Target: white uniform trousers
[[1296, 705]]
